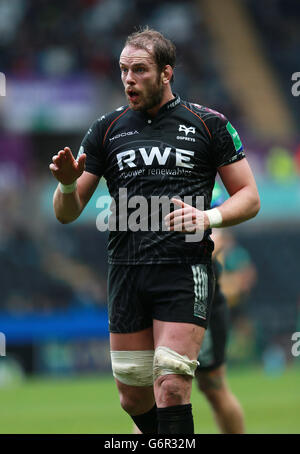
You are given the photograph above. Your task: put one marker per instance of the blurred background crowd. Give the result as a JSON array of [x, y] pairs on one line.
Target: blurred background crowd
[[60, 61]]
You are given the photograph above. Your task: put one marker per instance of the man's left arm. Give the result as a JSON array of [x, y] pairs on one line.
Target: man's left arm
[[244, 202]]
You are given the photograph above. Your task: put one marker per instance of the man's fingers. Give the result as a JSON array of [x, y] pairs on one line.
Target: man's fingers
[[183, 227], [186, 226], [179, 203], [183, 220], [68, 154], [56, 159], [53, 168], [186, 219], [179, 214], [62, 155], [65, 168], [172, 214], [183, 223], [184, 207]]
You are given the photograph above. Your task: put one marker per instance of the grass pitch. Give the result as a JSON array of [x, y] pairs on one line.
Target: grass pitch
[[90, 405]]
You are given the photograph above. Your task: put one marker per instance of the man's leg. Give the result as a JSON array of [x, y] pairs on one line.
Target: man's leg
[[131, 356], [177, 346], [226, 408]]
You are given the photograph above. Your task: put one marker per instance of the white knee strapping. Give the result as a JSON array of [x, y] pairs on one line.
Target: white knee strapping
[[134, 368], [167, 361]]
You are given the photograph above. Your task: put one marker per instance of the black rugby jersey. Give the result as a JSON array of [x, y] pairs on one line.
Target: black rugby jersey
[[176, 153]]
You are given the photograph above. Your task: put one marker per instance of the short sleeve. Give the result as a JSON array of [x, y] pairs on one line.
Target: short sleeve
[[91, 145], [226, 143]]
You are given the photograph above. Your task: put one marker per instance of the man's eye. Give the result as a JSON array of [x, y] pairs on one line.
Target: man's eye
[[140, 70], [123, 70]]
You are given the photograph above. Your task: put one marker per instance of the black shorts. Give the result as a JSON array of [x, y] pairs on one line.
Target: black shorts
[[137, 294], [213, 348]]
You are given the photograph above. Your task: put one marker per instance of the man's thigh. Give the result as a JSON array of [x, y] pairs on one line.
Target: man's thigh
[[183, 338], [127, 311], [141, 340], [182, 311], [182, 294]]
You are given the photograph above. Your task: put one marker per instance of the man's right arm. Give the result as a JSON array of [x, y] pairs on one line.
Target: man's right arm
[[68, 206]]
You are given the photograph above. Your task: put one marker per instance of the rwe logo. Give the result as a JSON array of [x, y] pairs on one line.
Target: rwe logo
[[182, 157]]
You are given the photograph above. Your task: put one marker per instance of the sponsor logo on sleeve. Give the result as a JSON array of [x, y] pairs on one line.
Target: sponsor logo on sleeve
[[235, 138]]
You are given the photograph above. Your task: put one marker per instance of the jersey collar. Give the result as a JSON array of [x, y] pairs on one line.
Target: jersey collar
[[170, 105]]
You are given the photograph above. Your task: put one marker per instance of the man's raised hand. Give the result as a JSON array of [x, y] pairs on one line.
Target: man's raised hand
[[65, 168]]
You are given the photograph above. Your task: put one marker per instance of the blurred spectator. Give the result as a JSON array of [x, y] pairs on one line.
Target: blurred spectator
[[237, 281], [239, 273]]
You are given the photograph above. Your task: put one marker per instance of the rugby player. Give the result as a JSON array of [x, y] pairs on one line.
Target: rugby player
[[160, 285]]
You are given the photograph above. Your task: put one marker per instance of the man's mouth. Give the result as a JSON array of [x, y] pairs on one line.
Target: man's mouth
[[132, 95]]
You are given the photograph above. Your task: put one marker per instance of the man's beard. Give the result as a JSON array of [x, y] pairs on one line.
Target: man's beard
[[153, 98]]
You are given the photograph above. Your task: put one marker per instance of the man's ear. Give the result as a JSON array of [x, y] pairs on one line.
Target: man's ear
[[167, 74]]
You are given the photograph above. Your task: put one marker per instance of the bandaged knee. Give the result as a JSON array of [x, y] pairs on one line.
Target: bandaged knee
[[133, 368], [167, 361]]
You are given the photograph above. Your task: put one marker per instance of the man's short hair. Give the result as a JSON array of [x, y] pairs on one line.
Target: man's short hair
[[163, 50]]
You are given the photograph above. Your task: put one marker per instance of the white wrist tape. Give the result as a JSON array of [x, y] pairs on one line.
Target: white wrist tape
[[68, 188], [215, 217]]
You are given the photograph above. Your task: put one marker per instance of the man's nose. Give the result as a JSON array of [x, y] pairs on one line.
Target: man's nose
[[130, 78]]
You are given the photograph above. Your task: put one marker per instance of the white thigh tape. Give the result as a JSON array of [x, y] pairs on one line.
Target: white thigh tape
[[167, 361], [133, 368]]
